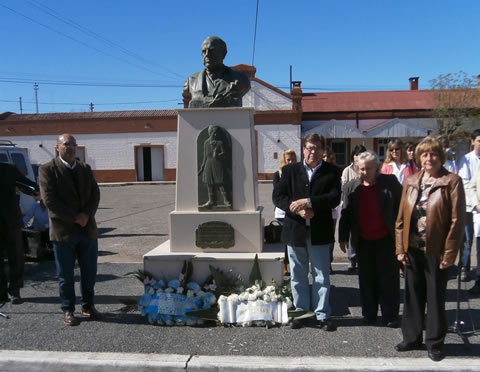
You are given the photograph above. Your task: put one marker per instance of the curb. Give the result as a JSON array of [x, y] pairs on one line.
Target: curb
[[16, 360]]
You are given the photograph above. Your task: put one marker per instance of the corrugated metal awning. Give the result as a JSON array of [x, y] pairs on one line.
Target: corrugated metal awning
[[397, 128], [336, 129]]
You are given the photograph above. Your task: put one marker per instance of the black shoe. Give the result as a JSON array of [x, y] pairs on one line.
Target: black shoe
[[404, 346], [465, 275], [436, 355], [326, 325], [393, 323], [475, 290], [368, 321], [16, 300], [297, 323]]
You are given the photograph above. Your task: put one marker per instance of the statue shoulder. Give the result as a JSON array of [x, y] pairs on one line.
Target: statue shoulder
[[192, 79]]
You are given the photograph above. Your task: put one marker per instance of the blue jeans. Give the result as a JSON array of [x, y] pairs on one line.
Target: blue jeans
[[316, 298], [85, 250], [467, 242]]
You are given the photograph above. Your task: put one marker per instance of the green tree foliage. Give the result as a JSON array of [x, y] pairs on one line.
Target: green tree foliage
[[456, 101]]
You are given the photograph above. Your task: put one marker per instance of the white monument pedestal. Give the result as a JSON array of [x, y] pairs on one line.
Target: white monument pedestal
[[245, 219], [164, 264]]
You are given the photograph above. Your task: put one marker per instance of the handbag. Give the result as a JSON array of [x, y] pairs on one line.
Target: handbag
[[273, 232]]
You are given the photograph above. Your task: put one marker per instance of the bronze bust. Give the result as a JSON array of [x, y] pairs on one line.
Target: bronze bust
[[216, 85]]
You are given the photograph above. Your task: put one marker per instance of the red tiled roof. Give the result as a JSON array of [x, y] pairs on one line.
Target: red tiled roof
[[367, 101], [91, 115]]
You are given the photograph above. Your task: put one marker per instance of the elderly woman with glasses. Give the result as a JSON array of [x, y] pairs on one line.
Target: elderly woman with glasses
[[396, 161], [370, 206], [429, 232]]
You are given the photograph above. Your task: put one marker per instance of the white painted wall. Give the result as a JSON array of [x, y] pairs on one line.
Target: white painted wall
[[262, 98], [116, 151], [103, 151], [276, 138]]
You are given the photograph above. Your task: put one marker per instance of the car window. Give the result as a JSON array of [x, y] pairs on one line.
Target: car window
[[19, 161], [3, 158]]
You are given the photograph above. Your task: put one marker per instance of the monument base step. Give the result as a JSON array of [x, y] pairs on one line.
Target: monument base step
[[164, 264]]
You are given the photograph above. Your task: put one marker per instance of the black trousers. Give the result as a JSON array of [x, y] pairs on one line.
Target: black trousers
[[11, 248], [425, 284], [379, 278]]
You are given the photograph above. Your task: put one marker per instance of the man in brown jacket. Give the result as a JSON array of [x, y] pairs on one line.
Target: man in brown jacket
[[71, 195]]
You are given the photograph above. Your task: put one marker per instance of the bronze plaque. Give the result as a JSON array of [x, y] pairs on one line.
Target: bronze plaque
[[215, 234]]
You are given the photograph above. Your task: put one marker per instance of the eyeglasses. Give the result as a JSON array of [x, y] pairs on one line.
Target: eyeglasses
[[311, 149], [69, 144], [395, 149]]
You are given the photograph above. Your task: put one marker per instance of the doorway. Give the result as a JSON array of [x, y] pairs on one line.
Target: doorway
[[149, 162]]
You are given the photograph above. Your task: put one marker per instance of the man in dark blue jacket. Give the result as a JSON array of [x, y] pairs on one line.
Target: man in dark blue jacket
[[308, 191]]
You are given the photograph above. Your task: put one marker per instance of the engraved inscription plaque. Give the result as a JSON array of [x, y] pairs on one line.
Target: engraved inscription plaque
[[215, 234]]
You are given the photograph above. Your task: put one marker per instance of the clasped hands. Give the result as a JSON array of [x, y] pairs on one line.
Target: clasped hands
[[302, 208], [403, 258], [81, 219]]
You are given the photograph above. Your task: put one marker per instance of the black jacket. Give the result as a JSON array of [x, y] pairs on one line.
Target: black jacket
[[324, 192], [389, 195], [10, 214]]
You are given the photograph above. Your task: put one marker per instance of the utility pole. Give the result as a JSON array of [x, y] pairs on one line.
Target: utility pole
[[291, 86], [91, 106], [20, 101], [35, 90]]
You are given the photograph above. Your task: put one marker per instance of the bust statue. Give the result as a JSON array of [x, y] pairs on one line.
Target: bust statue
[[216, 85]]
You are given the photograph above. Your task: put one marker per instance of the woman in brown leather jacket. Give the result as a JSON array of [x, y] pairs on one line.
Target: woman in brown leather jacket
[[429, 232]]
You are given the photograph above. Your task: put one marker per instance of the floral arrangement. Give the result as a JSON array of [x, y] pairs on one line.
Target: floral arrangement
[[170, 303], [167, 303], [257, 305], [184, 302]]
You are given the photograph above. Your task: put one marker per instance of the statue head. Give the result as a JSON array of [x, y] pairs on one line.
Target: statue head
[[214, 51], [212, 131]]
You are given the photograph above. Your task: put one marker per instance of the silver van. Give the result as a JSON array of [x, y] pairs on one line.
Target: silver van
[[10, 153]]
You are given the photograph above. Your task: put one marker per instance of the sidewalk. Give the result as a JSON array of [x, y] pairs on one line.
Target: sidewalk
[[34, 338]]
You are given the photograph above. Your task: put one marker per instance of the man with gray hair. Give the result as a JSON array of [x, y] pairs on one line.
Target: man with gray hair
[[216, 85]]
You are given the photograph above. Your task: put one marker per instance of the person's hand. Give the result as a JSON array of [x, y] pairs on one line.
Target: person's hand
[[81, 219], [403, 258], [299, 205], [306, 213], [343, 246], [444, 265], [477, 207]]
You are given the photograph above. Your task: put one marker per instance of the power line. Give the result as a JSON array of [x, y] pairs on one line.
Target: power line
[[91, 84], [95, 35], [79, 41], [255, 35], [96, 104]]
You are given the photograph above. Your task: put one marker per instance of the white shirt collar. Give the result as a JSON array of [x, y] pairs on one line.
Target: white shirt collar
[[66, 164]]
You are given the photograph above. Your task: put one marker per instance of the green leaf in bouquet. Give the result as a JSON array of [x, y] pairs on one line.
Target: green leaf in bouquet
[[187, 270], [222, 281], [205, 314], [140, 275], [130, 305], [255, 274]]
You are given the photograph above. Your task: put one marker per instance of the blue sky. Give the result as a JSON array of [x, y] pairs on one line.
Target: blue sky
[[144, 50]]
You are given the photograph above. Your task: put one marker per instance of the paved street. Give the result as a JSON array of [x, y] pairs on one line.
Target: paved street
[[133, 220]]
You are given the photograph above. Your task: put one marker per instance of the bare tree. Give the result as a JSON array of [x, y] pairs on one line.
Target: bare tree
[[456, 101]]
